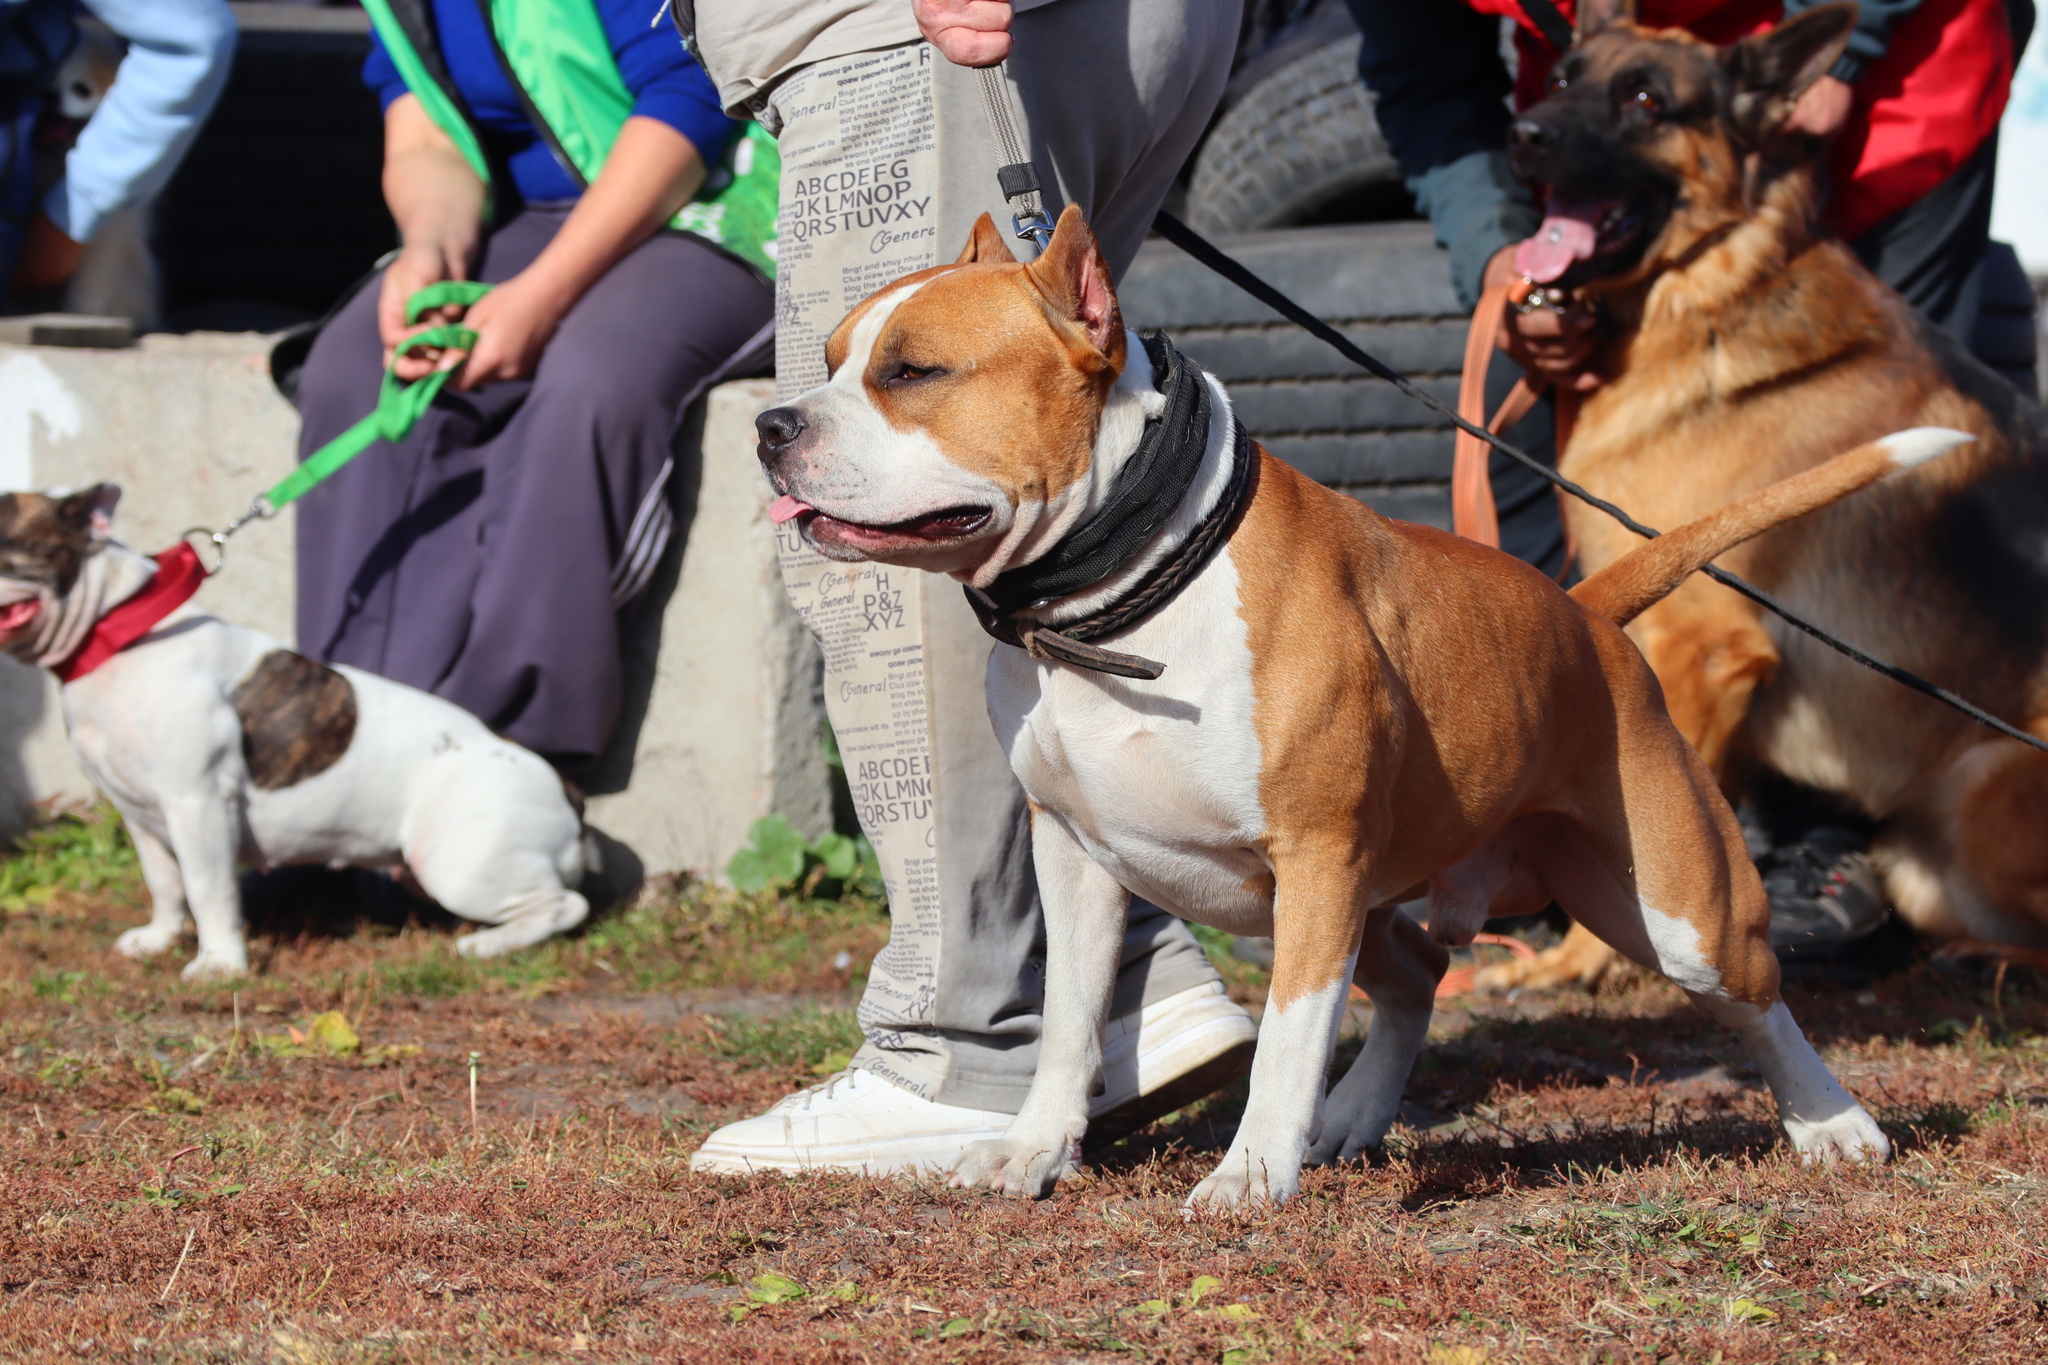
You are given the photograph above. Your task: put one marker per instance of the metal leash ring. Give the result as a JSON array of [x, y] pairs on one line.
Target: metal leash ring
[[259, 510]]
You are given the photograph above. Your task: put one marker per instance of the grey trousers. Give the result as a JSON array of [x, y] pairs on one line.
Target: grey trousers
[[887, 159]]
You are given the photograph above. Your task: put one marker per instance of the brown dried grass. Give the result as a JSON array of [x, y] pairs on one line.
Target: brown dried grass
[[1581, 1179]]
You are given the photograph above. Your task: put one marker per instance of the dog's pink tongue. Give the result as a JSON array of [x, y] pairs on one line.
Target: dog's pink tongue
[[1567, 235], [786, 508]]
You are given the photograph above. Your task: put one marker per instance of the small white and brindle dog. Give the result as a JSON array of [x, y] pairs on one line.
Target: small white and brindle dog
[[1353, 712], [218, 744]]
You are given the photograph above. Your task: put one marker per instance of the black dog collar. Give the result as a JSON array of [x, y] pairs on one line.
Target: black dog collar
[[1147, 491]]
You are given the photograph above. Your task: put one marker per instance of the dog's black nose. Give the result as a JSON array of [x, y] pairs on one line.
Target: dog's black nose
[[779, 428], [1529, 132]]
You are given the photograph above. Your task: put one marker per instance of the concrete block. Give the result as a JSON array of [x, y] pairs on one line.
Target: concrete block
[[724, 686], [723, 701]]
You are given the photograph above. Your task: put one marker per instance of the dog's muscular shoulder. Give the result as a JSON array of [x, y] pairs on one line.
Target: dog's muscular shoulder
[[298, 718]]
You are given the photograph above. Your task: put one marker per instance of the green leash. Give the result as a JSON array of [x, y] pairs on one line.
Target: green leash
[[399, 406]]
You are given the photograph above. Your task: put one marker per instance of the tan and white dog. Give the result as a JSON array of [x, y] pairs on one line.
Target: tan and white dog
[[1354, 712]]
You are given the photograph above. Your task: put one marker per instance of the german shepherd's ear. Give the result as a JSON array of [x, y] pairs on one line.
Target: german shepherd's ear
[[1769, 72], [985, 245], [1594, 15]]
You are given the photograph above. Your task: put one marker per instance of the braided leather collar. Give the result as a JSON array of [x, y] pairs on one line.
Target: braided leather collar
[[1116, 534]]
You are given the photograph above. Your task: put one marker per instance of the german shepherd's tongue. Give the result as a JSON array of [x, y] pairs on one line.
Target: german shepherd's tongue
[[1568, 234]]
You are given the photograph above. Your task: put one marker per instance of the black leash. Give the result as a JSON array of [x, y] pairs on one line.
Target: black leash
[[1199, 247]]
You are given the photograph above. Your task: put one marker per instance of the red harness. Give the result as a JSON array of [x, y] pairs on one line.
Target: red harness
[[178, 575]]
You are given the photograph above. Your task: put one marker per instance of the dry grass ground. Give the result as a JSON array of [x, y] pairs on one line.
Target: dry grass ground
[[1578, 1179]]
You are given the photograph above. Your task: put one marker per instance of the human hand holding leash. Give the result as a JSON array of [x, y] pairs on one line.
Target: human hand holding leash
[[1823, 108], [968, 32], [1555, 343]]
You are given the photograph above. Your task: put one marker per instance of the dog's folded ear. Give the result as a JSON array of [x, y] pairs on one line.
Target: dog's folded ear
[[1075, 279], [1769, 72], [91, 510], [985, 245]]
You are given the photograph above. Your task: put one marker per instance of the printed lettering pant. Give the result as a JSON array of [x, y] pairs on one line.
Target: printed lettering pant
[[887, 159]]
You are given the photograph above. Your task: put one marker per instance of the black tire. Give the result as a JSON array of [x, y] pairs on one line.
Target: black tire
[[1301, 146]]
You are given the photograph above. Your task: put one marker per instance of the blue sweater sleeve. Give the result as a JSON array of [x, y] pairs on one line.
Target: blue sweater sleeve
[[1442, 90], [380, 73], [666, 82], [179, 52]]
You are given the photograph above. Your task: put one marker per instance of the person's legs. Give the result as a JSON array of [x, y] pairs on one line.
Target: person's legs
[[887, 161], [392, 536], [575, 511], [417, 559], [1932, 251]]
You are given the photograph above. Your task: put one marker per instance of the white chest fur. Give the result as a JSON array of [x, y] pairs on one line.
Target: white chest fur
[[1159, 780]]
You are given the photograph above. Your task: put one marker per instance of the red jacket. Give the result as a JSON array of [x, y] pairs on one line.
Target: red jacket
[[1920, 110]]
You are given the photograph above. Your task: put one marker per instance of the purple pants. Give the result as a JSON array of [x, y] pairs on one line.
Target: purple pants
[[486, 557]]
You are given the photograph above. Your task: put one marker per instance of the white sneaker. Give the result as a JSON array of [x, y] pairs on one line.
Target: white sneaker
[[854, 1122], [1169, 1055]]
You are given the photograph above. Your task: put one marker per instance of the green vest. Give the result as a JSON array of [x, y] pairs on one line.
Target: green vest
[[559, 59]]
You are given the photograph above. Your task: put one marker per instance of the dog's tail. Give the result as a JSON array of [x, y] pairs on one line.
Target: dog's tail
[[1625, 588]]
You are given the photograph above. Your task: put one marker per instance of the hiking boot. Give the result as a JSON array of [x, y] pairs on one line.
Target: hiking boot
[[1172, 1053]]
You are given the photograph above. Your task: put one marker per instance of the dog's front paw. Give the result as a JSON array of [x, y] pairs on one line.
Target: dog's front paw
[[1245, 1181], [217, 967], [147, 941], [1010, 1165], [1852, 1136]]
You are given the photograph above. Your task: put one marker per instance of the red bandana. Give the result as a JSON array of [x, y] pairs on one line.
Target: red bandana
[[178, 576]]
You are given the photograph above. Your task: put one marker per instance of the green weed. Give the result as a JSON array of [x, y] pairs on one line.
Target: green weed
[[777, 857], [84, 852], [823, 1041]]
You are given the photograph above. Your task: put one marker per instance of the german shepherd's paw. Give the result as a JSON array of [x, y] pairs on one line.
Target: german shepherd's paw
[[1581, 960]]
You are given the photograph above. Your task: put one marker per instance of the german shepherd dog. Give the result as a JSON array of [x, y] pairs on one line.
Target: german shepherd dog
[[1743, 344]]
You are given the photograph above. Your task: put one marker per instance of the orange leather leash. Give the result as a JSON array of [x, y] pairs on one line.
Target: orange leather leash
[[1473, 514]]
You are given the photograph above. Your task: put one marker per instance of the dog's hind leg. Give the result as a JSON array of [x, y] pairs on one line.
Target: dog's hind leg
[[1654, 862], [167, 911], [529, 919], [1319, 916], [1398, 967], [1710, 655]]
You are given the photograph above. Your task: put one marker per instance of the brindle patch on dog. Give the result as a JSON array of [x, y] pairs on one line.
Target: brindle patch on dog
[[297, 719]]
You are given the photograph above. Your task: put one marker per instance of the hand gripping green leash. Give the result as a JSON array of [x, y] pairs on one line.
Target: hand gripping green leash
[[399, 406]]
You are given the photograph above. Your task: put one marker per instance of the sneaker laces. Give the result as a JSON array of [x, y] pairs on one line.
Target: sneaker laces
[[804, 1098]]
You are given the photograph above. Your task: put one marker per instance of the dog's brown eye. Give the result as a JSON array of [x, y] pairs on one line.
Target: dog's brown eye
[[1647, 102], [906, 373]]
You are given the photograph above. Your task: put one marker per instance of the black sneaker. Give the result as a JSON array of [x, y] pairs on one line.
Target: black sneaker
[[1826, 900]]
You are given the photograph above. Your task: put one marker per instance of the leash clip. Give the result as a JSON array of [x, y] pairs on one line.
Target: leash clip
[[1032, 226], [1527, 296], [259, 510]]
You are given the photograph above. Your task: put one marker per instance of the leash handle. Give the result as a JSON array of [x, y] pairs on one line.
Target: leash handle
[[400, 405], [441, 294]]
